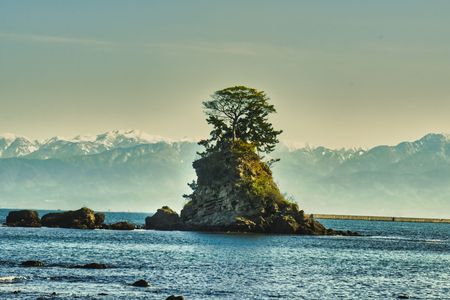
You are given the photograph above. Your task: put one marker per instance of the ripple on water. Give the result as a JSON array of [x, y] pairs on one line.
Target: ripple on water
[[392, 259]]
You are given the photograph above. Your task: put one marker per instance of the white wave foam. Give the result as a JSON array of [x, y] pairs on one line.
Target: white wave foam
[[405, 238], [11, 279]]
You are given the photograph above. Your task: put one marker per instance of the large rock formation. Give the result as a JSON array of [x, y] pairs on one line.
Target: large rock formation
[[23, 218], [83, 218], [235, 191]]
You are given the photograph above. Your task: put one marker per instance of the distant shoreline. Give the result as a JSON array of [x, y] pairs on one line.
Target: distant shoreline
[[380, 218]]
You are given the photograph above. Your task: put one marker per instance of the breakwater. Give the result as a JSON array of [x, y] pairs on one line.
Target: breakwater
[[380, 218]]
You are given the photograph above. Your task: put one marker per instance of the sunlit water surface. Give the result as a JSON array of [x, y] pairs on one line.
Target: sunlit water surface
[[390, 260]]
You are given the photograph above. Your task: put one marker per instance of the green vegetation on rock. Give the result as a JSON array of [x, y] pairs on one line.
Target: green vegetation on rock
[[240, 114]]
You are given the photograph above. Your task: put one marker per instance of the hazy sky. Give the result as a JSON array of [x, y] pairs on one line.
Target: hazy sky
[[340, 73]]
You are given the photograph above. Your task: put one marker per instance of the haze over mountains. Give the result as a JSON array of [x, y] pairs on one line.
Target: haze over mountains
[[131, 170]]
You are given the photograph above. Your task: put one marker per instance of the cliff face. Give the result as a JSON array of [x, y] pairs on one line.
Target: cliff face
[[235, 191]]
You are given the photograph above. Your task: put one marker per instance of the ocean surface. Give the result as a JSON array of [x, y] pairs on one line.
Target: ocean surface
[[392, 259]]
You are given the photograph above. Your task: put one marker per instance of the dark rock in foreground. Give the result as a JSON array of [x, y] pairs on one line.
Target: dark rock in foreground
[[173, 297], [83, 218], [164, 219], [23, 218], [93, 266], [32, 263], [141, 283]]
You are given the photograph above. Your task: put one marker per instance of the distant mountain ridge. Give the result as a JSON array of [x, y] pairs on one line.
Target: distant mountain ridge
[[60, 147], [408, 179], [131, 170], [16, 146]]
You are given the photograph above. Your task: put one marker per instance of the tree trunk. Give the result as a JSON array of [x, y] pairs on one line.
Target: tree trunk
[[234, 130]]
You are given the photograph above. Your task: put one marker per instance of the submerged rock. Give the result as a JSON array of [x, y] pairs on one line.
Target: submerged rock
[[83, 218], [164, 219], [93, 266], [120, 226], [23, 218], [32, 263], [141, 283]]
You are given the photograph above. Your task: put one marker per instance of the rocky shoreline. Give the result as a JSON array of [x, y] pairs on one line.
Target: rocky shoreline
[[141, 283], [83, 218], [165, 219]]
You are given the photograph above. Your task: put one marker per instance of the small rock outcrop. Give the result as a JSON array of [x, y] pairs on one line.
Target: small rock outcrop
[[120, 226], [164, 219], [83, 218], [141, 283], [23, 218], [32, 263]]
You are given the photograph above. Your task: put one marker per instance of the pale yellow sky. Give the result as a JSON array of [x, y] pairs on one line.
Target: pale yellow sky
[[341, 74]]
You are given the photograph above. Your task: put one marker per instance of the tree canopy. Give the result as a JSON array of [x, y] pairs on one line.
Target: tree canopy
[[240, 114]]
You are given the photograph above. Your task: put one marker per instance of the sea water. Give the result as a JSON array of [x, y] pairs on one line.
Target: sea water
[[391, 259]]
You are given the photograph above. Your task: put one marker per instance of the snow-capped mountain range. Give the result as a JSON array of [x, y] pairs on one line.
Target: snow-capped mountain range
[[59, 147], [131, 170]]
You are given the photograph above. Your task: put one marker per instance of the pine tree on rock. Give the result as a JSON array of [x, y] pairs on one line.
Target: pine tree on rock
[[240, 114]]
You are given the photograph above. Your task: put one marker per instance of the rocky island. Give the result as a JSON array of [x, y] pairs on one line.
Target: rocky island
[[235, 190], [23, 218]]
